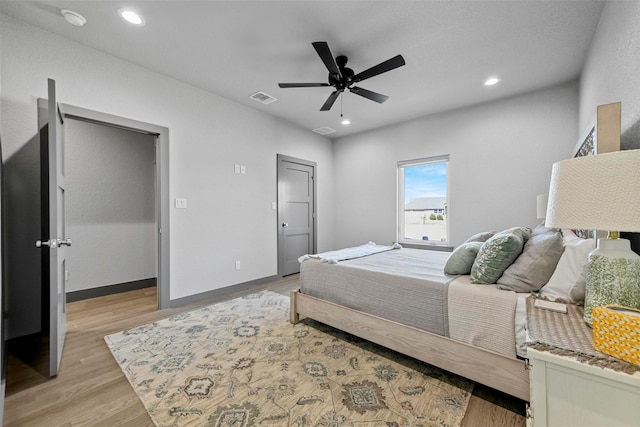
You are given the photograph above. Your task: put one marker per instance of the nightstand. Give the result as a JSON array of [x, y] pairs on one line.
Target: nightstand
[[567, 393]]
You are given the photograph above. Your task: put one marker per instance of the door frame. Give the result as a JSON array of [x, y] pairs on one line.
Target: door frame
[[162, 181], [314, 165]]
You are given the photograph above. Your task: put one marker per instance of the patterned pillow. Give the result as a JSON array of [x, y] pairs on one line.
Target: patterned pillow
[[480, 237], [461, 260], [498, 253]]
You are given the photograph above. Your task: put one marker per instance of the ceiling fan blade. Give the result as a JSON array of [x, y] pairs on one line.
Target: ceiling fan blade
[[383, 67], [283, 85], [330, 100], [325, 54], [374, 96]]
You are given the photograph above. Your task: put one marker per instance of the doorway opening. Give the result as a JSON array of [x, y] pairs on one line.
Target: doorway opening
[[109, 210], [159, 137]]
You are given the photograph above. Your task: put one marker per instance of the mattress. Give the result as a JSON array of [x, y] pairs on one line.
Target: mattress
[[408, 286]]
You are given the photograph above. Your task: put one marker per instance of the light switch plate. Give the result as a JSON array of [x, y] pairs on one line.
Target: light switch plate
[[243, 169], [274, 205], [181, 203], [236, 168]]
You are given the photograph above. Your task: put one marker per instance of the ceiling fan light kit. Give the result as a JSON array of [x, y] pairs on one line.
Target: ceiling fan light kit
[[342, 78]]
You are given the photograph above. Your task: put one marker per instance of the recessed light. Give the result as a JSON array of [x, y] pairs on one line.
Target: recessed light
[[491, 81], [346, 122], [131, 17], [73, 18]]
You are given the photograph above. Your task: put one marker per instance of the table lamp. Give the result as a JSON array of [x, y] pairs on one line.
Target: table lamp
[[541, 205], [601, 192]]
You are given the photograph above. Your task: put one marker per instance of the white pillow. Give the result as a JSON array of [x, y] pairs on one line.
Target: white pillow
[[569, 280], [568, 235]]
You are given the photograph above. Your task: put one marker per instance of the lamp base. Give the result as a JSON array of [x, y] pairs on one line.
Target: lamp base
[[613, 276]]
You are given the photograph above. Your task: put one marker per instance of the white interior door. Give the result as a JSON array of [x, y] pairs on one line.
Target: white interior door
[[296, 212], [54, 240]]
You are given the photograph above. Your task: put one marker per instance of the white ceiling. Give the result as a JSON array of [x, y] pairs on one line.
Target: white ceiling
[[234, 48]]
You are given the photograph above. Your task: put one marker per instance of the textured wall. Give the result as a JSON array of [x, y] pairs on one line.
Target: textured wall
[[501, 155], [229, 216], [110, 177], [611, 72]]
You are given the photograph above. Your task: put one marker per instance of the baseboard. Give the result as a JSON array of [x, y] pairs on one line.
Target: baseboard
[[110, 289], [221, 292]]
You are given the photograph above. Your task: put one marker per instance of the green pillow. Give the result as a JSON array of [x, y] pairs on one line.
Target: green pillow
[[480, 237], [462, 258], [497, 254]]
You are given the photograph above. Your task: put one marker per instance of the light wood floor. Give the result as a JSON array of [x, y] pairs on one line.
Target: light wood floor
[[90, 389]]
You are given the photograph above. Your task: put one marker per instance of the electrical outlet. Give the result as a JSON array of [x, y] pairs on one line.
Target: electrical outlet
[[237, 265], [243, 169]]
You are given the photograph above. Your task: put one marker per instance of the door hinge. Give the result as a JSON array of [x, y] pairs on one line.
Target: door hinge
[[159, 230]]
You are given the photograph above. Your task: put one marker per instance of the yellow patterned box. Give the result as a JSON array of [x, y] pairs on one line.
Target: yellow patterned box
[[616, 332]]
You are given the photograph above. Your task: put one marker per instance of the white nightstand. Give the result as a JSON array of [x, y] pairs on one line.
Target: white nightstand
[[567, 393]]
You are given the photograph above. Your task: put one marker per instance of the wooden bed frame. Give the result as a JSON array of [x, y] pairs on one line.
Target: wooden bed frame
[[484, 366]]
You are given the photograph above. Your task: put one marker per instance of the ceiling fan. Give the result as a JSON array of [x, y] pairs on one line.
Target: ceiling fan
[[341, 77]]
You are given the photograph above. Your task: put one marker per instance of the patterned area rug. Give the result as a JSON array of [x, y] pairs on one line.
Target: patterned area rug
[[241, 363]]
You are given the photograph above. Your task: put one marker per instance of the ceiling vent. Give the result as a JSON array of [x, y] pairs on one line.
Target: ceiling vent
[[263, 98], [324, 130]]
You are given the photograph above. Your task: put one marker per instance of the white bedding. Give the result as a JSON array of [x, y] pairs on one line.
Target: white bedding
[[333, 257], [521, 324]]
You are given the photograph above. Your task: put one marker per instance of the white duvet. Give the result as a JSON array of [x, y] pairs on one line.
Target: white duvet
[[333, 257]]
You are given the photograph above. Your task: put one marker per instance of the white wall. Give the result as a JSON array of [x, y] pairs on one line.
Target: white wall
[[612, 73], [110, 205], [501, 155], [229, 216], [612, 70]]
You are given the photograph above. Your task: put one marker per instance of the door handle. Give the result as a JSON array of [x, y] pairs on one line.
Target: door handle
[[285, 224], [53, 243]]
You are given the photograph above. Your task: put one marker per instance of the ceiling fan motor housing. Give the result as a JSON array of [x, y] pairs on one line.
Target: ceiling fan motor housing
[[342, 81]]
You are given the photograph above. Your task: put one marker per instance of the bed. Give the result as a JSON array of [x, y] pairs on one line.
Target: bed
[[339, 292], [400, 298]]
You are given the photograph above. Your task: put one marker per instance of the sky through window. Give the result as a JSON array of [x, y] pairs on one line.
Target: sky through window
[[426, 180]]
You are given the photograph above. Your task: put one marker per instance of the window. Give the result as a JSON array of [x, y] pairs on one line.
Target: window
[[423, 201]]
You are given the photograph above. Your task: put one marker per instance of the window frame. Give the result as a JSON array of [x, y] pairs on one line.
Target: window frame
[[400, 203]]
